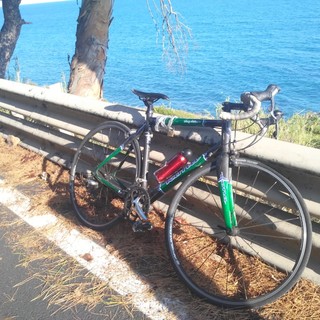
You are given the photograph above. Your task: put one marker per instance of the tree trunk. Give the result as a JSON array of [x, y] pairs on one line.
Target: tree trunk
[[9, 33], [88, 63]]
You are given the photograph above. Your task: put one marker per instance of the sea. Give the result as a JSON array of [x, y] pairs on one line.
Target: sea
[[225, 47]]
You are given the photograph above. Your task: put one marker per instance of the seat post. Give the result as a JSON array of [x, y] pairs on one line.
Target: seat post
[[147, 143], [149, 111]]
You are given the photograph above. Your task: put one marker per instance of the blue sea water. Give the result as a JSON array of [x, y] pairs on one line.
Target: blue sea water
[[236, 45]]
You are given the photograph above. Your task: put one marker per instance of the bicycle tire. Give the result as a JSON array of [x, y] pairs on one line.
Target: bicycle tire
[[258, 264], [97, 206]]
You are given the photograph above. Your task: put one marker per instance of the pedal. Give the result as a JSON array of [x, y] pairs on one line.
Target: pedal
[[140, 226]]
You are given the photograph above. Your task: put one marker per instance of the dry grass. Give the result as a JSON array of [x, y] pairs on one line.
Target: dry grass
[[61, 283]]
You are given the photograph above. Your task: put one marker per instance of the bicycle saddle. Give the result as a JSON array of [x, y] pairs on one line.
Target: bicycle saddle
[[149, 96]]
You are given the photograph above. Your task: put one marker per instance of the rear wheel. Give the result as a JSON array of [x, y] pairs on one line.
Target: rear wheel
[[96, 205], [266, 254]]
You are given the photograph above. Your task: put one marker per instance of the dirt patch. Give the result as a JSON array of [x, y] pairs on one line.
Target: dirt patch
[[47, 185]]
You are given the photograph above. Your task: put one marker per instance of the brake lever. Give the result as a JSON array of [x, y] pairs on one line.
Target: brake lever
[[276, 116], [265, 123]]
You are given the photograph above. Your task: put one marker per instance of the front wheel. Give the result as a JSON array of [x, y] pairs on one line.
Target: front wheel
[[264, 256], [97, 206]]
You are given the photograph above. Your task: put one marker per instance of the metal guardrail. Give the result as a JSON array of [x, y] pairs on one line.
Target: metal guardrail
[[52, 123]]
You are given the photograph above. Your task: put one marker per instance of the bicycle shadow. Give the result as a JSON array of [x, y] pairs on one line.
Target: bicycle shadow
[[145, 254]]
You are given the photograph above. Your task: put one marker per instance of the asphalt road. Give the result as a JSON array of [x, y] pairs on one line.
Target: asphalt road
[[16, 303]]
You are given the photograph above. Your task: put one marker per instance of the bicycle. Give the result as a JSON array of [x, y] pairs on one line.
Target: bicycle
[[226, 216]]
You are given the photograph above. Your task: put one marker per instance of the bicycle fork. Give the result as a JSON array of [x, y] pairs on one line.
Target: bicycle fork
[[225, 182], [226, 196]]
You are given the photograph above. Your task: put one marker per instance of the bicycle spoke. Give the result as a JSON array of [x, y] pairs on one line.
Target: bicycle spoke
[[98, 199], [264, 256]]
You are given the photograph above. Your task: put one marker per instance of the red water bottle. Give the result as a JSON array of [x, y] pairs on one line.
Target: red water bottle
[[173, 165]]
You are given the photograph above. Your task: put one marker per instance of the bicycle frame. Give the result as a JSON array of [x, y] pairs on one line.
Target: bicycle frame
[[223, 147]]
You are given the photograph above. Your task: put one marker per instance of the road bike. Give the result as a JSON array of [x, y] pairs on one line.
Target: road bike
[[238, 233]]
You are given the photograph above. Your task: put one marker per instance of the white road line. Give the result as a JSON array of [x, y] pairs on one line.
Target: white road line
[[115, 272]]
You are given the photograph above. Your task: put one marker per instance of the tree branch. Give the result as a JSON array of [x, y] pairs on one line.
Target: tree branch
[[175, 34]]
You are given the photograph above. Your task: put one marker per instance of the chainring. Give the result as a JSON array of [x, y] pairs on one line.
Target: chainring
[[133, 193]]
